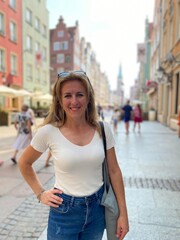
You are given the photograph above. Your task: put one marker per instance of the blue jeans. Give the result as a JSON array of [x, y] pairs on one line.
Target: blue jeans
[[77, 218]]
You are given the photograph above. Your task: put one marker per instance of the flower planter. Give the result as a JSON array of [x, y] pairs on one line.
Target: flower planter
[[4, 119], [152, 115]]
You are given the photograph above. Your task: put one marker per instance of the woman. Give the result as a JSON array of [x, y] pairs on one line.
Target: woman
[[72, 134], [137, 117], [22, 124]]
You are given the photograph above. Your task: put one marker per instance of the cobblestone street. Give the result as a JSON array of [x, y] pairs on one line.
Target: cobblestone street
[[151, 168]]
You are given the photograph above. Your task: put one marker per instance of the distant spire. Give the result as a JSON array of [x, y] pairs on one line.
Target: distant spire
[[77, 23], [61, 19], [120, 72]]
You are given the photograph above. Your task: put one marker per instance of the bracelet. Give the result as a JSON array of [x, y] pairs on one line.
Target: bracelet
[[39, 195]]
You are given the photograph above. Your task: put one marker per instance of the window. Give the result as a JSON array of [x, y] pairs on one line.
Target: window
[[13, 32], [13, 64], [29, 72], [44, 30], [67, 59], [60, 46], [60, 58], [29, 43], [64, 45], [2, 60], [56, 46], [28, 16], [12, 4], [2, 24], [60, 33], [37, 24], [37, 47]]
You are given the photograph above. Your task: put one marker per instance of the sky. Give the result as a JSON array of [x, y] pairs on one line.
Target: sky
[[113, 27]]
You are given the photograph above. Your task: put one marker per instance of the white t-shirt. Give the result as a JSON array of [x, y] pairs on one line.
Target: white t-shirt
[[78, 169]]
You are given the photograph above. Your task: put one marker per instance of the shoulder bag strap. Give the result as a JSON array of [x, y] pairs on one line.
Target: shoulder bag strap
[[105, 165]]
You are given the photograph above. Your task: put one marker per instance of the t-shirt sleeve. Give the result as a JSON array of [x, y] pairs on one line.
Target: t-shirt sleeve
[[110, 142], [40, 139]]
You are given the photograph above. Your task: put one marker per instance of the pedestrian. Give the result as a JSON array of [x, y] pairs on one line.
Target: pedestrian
[[48, 159], [99, 109], [127, 110], [32, 115], [137, 115], [22, 124], [115, 119], [73, 134], [107, 113], [179, 121]]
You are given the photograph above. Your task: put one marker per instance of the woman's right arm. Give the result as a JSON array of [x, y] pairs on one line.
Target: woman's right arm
[[29, 156]]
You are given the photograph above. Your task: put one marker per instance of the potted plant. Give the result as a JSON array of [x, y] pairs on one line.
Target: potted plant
[[4, 118]]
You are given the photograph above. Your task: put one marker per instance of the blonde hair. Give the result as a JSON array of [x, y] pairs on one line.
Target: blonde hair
[[57, 116]]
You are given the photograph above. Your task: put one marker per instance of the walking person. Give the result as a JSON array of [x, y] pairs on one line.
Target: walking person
[[137, 115], [73, 134], [115, 119], [32, 115], [48, 159], [127, 110], [22, 124]]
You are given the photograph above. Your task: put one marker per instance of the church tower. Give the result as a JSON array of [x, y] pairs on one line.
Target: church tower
[[120, 84]]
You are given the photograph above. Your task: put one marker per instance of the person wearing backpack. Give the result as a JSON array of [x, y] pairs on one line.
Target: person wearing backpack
[[22, 124]]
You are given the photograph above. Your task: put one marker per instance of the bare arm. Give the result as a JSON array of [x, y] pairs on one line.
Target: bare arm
[[118, 186], [29, 156], [16, 124]]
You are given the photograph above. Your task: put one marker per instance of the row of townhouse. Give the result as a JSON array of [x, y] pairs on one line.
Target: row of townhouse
[[70, 52], [159, 74], [31, 55]]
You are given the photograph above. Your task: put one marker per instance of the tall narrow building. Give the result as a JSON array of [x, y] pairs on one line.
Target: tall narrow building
[[64, 49], [10, 49], [35, 46], [120, 84]]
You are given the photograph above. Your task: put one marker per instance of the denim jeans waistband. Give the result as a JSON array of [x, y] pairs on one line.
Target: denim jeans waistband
[[80, 200]]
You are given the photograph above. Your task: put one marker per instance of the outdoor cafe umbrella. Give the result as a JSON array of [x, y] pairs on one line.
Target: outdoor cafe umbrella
[[7, 91], [45, 97], [23, 93]]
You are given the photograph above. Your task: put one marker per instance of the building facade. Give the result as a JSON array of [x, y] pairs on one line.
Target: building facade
[[168, 69], [64, 49], [35, 50], [11, 49]]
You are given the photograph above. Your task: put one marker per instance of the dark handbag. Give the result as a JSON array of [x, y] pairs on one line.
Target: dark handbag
[[109, 199], [26, 131]]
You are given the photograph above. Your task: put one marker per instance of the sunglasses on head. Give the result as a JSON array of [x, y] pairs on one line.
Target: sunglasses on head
[[65, 74], [77, 72]]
